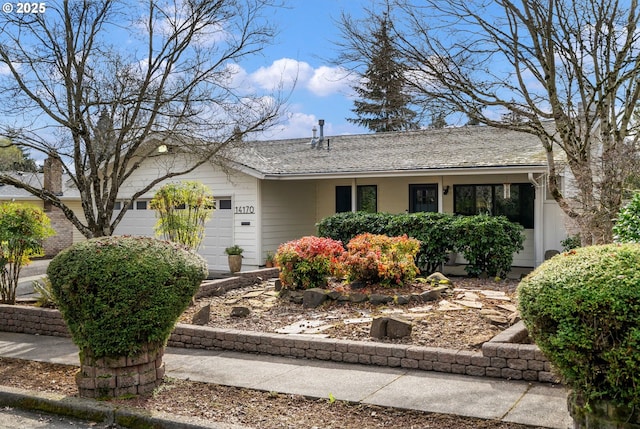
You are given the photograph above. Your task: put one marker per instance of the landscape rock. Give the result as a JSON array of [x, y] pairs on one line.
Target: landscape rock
[[439, 278], [357, 297], [398, 328], [390, 327], [379, 327], [402, 299], [377, 299], [240, 312], [312, 298], [202, 316], [434, 294]]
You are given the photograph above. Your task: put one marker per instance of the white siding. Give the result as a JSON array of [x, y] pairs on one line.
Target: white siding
[[227, 227]]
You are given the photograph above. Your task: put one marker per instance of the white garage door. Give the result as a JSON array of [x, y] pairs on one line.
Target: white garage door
[[139, 220]]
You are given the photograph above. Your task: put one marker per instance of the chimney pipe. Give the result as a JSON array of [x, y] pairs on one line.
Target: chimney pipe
[[321, 123]]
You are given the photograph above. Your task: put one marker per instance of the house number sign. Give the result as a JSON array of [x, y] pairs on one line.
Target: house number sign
[[245, 210]]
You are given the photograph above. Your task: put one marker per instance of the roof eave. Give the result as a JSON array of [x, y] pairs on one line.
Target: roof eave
[[453, 171]]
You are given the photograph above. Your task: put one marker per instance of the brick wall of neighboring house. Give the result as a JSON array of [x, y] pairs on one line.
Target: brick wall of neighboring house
[[52, 170]]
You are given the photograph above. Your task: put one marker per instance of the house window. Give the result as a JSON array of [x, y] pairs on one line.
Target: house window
[[343, 199], [224, 204], [490, 199], [423, 198], [366, 198], [141, 205], [117, 205]]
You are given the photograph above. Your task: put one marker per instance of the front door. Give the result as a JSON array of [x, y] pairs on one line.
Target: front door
[[423, 198]]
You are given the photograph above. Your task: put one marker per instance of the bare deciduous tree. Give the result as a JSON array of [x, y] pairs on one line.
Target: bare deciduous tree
[[574, 64], [99, 86]]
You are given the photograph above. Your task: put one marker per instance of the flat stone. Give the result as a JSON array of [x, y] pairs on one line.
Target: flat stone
[[445, 305], [240, 312], [231, 301], [357, 320], [470, 296], [494, 294], [318, 329], [497, 320], [253, 294], [421, 309], [509, 307], [468, 304], [300, 327]]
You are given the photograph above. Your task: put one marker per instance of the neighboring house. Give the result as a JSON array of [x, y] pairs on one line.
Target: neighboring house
[[269, 192]]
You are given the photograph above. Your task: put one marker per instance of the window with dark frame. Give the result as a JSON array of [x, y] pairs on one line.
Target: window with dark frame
[[490, 199], [343, 199], [423, 198], [366, 198]]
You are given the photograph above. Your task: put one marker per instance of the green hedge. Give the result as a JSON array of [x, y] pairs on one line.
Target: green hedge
[[118, 293], [487, 242], [582, 308]]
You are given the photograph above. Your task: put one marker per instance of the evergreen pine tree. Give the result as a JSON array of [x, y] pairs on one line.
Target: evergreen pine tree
[[383, 103]]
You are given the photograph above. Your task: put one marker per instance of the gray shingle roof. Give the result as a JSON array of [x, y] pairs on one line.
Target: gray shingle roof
[[419, 151]]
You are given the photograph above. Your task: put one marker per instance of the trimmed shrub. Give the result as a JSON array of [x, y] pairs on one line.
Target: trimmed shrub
[[488, 243], [582, 308], [433, 230], [307, 262], [22, 229], [117, 294], [345, 226], [627, 226], [372, 258]]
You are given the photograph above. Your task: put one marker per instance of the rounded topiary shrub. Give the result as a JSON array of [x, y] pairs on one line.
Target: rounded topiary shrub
[[117, 293], [582, 308]]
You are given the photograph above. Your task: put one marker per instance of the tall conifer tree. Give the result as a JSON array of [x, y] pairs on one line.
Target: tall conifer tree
[[383, 104]]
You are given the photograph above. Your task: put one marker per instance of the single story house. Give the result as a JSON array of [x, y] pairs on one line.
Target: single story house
[[269, 192]]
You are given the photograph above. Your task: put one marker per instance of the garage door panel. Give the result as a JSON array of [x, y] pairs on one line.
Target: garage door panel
[[218, 231]]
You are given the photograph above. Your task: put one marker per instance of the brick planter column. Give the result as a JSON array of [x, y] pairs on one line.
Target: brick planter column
[[113, 377]]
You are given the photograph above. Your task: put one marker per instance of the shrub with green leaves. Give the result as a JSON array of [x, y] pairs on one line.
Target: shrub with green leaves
[[183, 209], [307, 262], [488, 243], [627, 226], [433, 230], [374, 258], [22, 229], [582, 308], [117, 294]]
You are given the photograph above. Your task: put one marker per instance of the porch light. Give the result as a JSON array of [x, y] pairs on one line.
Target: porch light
[[163, 148], [506, 191]]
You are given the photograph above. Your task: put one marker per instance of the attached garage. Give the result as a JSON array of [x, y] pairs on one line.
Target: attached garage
[[139, 220]]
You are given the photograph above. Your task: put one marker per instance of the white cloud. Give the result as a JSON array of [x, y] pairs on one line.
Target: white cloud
[[283, 73], [330, 80]]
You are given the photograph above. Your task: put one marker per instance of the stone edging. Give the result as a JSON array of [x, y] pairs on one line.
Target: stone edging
[[501, 357]]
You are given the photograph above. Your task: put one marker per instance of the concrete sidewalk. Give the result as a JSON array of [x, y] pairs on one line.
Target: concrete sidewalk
[[534, 404]]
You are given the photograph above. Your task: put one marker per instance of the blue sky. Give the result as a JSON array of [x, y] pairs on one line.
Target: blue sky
[[307, 33]]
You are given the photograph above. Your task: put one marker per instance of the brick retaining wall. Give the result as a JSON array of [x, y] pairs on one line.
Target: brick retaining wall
[[501, 357]]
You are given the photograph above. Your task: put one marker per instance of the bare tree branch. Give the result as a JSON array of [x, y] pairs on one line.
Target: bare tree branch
[[98, 85]]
